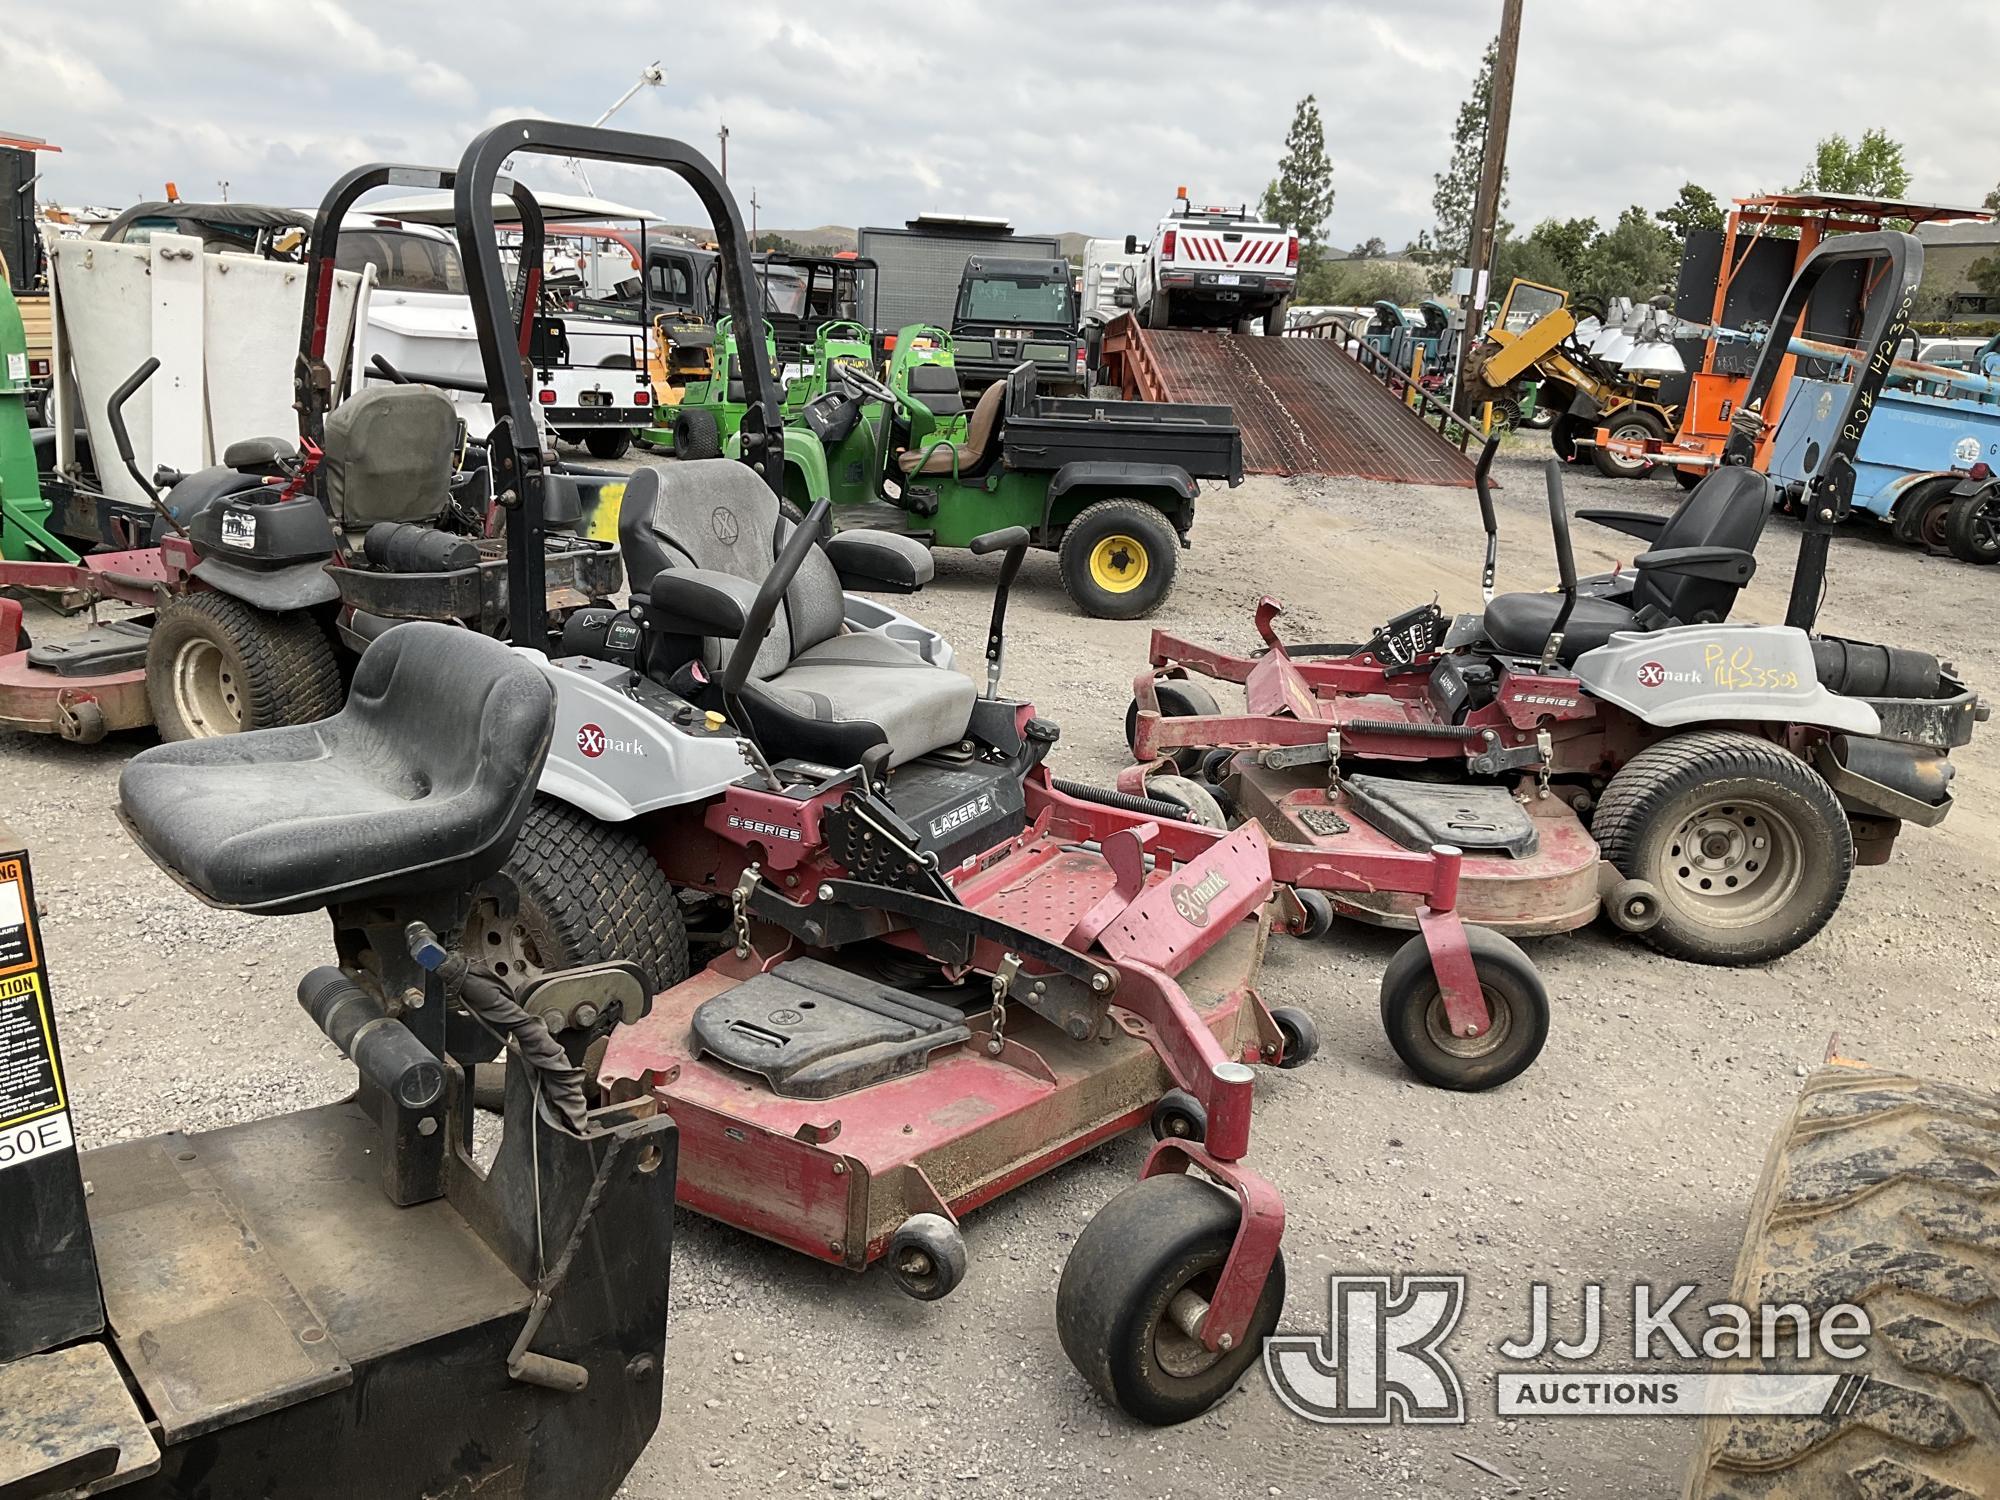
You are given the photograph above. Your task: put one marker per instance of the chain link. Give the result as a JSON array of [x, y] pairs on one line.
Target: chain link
[[739, 908], [996, 1020]]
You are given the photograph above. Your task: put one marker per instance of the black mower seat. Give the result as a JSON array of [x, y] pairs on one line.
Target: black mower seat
[[1519, 624], [419, 784], [1697, 562]]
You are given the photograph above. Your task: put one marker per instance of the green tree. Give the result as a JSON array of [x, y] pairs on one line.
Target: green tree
[[1457, 187], [1635, 258], [1300, 197], [1557, 253], [1695, 208], [1992, 203], [1871, 167], [1371, 248]]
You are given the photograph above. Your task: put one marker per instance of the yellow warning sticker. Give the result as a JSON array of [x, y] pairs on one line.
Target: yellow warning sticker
[[31, 1084], [18, 948]]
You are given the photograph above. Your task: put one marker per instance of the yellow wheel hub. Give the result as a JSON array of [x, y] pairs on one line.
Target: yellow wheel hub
[[1119, 564]]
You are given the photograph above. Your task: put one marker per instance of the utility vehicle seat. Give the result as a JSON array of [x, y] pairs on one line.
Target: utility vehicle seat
[[936, 387], [698, 538], [389, 455], [419, 784], [1698, 561], [973, 453]]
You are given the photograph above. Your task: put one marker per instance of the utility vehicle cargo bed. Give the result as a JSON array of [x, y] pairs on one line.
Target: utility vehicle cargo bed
[[1046, 432]]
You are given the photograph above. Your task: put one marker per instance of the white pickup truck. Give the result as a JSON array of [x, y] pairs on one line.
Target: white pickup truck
[[1214, 267]]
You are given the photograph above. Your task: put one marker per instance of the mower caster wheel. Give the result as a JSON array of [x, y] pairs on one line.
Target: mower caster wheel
[[1517, 1007], [927, 1256], [1319, 915], [82, 723], [1301, 1034], [1179, 1116], [1215, 765], [1633, 905], [1179, 699], [1196, 802], [1139, 1278]]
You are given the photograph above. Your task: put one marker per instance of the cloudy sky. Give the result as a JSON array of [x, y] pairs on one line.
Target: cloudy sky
[[1083, 115]]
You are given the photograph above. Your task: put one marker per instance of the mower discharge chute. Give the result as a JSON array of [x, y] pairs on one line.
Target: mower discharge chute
[[944, 972], [1617, 742]]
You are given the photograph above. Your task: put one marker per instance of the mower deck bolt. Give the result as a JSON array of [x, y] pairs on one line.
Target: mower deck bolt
[[586, 1014], [826, 893], [1099, 983]]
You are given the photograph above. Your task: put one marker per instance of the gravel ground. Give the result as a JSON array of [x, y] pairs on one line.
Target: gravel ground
[[1626, 1154]]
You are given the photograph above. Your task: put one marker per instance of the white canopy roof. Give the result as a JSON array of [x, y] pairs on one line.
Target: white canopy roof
[[557, 208]]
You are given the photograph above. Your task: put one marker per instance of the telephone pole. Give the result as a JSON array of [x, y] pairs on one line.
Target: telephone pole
[[753, 216], [722, 135], [1486, 203]]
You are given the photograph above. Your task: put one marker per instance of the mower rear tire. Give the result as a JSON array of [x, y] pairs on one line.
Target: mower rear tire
[[1118, 559], [1179, 699], [582, 892], [1748, 847], [1972, 526], [1159, 1238], [696, 434], [1196, 801], [1634, 423], [1876, 1192], [608, 442], [1517, 1005], [216, 666]]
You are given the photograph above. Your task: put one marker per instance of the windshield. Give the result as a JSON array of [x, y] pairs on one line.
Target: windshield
[[1527, 305], [785, 291], [1007, 300], [403, 262]]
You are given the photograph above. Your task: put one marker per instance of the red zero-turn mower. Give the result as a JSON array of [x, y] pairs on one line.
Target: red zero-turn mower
[[1615, 742], [944, 973]]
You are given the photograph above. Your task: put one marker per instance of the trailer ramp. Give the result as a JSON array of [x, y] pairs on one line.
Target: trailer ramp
[[1305, 405]]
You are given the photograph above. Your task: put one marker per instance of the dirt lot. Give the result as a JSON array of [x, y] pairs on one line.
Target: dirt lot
[[1626, 1154]]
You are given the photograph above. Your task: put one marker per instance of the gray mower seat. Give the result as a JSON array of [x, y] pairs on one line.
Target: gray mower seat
[[817, 691], [389, 454], [418, 785], [1697, 562]]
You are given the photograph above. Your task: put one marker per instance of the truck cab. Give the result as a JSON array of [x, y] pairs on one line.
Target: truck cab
[[1011, 311], [1217, 267]]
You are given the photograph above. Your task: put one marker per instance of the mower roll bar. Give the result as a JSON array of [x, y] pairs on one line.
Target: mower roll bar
[[1829, 492], [516, 448], [312, 380], [1480, 473], [1565, 561]]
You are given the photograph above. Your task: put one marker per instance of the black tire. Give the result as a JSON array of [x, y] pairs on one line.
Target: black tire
[[1877, 1193], [926, 1257], [1301, 1034], [1179, 1115], [1539, 420], [1413, 1015], [1274, 318], [1118, 559], [1766, 819], [1688, 479], [1972, 527], [1923, 516], [1151, 1241], [216, 666], [1159, 312], [608, 442], [1179, 699], [583, 892], [696, 434], [1631, 422], [1197, 802], [1563, 433], [1318, 907]]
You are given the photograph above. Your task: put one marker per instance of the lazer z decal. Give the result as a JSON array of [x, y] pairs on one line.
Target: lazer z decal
[[958, 817]]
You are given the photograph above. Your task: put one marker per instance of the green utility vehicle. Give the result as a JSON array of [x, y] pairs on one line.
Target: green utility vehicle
[[1109, 486], [710, 410], [1014, 310]]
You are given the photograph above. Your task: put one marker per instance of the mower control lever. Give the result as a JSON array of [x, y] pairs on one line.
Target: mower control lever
[[770, 594], [1565, 562], [1486, 516], [1014, 539], [114, 412]]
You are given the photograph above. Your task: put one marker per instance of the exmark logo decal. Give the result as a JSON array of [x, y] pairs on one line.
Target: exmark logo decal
[[958, 817], [593, 742], [1192, 901], [1653, 674]]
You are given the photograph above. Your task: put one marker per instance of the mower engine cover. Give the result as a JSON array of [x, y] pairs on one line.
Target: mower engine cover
[[1707, 674]]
